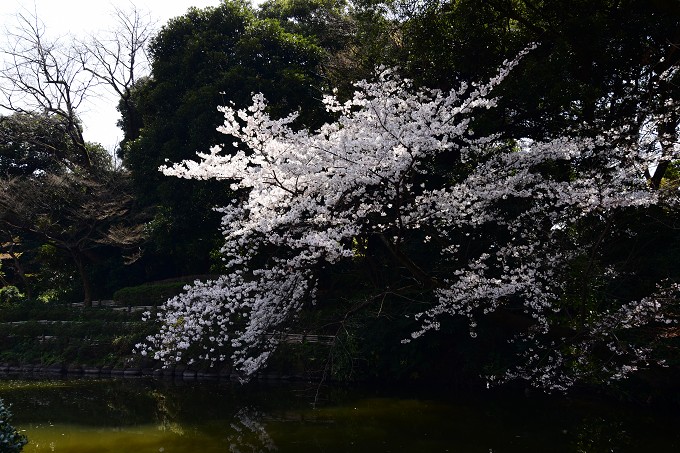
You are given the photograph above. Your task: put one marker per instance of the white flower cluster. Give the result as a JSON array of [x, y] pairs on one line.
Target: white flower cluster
[[308, 196]]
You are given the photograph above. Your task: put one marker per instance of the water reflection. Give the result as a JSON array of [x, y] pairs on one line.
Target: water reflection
[[248, 426], [599, 435], [160, 416]]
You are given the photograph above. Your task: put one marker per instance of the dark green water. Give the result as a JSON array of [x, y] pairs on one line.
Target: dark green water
[[79, 416]]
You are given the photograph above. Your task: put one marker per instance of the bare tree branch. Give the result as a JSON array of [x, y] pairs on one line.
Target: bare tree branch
[[118, 58], [44, 77]]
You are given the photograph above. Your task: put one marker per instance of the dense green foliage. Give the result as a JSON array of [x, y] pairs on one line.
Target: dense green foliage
[[11, 441], [596, 62], [150, 294], [10, 296], [31, 143]]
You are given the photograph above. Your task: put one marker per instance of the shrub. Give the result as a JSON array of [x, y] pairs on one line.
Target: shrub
[[149, 294], [10, 295], [10, 439]]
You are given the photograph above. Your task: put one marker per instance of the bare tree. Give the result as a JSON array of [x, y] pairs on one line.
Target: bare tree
[[118, 57], [44, 76], [40, 75]]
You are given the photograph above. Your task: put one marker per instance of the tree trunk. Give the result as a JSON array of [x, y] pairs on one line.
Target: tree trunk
[[87, 288], [420, 275]]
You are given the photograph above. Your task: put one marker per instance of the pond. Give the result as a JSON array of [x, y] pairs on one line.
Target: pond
[[138, 415]]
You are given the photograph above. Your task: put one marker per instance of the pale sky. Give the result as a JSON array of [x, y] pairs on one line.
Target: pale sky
[[81, 17]]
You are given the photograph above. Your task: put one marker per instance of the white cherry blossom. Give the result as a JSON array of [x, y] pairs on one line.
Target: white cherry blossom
[[307, 196]]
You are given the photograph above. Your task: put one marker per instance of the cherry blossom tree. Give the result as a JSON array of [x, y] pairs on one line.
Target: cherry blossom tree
[[308, 198]]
